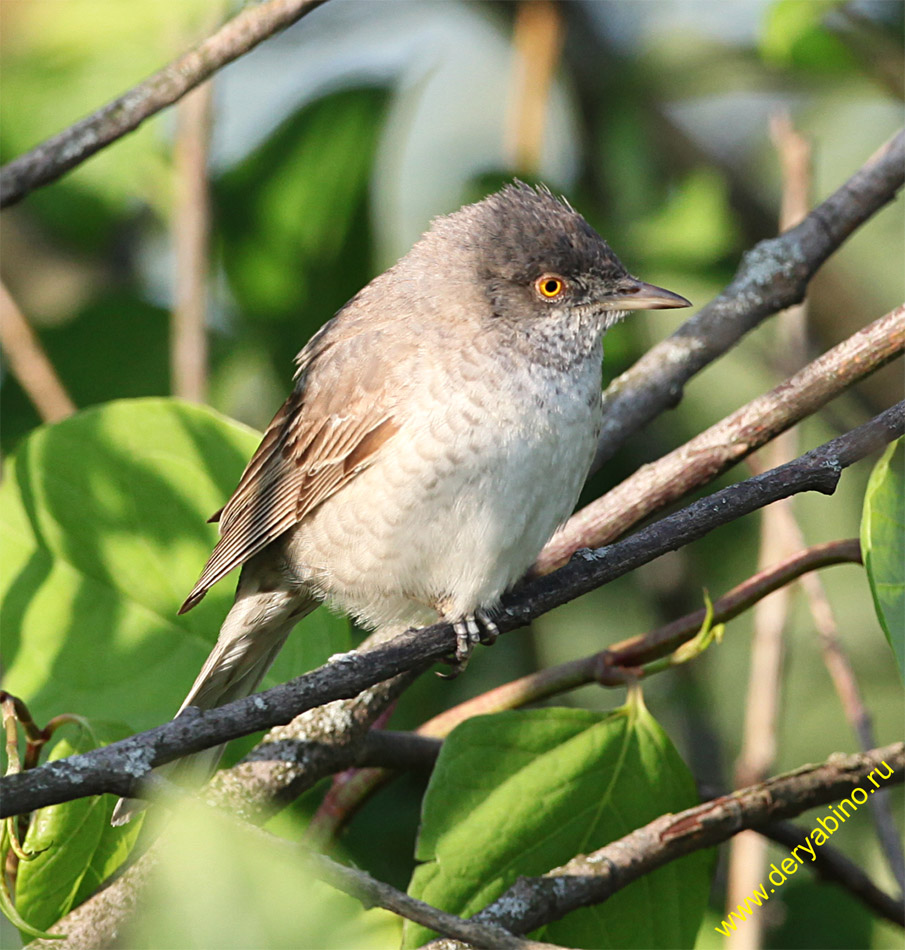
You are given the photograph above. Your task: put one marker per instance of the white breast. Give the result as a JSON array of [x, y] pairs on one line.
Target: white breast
[[486, 466]]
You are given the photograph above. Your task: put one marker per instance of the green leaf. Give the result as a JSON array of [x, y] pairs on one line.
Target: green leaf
[[103, 527], [883, 544], [519, 793], [78, 848], [7, 906]]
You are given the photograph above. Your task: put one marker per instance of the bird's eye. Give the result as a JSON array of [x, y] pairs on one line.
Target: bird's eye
[[549, 287]]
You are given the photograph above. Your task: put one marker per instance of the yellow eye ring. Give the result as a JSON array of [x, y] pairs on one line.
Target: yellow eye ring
[[549, 287]]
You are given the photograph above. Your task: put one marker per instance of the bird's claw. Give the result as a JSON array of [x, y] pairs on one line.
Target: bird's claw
[[471, 630]]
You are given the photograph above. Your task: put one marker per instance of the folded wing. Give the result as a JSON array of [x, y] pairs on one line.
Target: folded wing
[[330, 429]]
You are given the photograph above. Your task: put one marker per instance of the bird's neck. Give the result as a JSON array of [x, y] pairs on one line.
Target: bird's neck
[[556, 346]]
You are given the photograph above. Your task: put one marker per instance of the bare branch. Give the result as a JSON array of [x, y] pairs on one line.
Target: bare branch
[[294, 757], [397, 750], [30, 364], [748, 851], [591, 879], [609, 667], [846, 685], [119, 767], [718, 448], [773, 275], [191, 243], [372, 892], [52, 158]]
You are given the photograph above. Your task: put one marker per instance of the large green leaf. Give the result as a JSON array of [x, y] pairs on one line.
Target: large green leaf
[[883, 544], [77, 848], [519, 793], [102, 522]]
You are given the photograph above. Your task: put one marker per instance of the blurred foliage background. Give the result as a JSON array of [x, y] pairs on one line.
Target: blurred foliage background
[[334, 143]]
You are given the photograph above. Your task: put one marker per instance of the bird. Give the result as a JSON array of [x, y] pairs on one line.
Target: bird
[[440, 429]]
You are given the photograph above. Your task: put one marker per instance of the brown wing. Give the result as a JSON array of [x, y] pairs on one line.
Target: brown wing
[[325, 433]]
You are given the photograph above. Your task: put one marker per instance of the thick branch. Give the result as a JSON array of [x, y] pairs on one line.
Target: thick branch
[[47, 161], [718, 448], [119, 767], [773, 275], [591, 879], [290, 759], [610, 667], [294, 757]]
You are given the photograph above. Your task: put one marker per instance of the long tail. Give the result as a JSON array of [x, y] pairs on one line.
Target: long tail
[[252, 635]]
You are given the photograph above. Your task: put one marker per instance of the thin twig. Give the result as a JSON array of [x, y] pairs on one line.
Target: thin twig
[[537, 38], [372, 892], [853, 705], [748, 851], [30, 364], [55, 156], [119, 767], [773, 275], [591, 879], [856, 712], [703, 458], [607, 667], [191, 240]]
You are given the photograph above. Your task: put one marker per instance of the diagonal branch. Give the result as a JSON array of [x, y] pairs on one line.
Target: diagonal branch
[[591, 879], [372, 892], [773, 275], [382, 751], [30, 364], [119, 767], [713, 451], [55, 156]]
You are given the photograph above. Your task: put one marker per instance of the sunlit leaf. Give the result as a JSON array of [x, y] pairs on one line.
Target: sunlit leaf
[[99, 354], [883, 544], [103, 526], [78, 848], [519, 793]]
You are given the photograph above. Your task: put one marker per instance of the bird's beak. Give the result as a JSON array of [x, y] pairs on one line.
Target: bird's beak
[[632, 294]]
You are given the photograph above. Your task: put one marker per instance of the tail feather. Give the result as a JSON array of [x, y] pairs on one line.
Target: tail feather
[[252, 635]]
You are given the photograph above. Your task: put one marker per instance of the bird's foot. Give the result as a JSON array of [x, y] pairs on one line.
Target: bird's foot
[[471, 630]]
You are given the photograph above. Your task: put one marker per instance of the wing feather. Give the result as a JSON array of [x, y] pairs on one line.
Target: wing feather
[[315, 444]]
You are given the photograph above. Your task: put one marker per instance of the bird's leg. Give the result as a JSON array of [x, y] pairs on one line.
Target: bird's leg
[[470, 630]]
